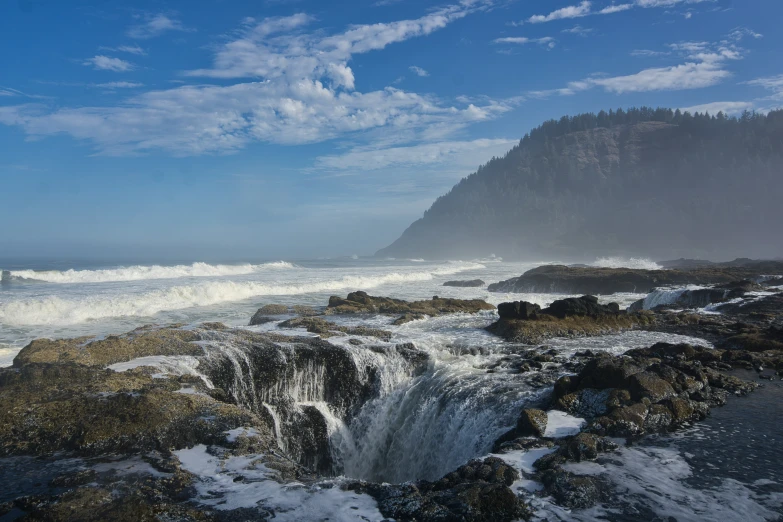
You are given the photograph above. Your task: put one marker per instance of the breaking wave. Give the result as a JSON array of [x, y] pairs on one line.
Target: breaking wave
[[141, 272], [58, 311], [621, 262]]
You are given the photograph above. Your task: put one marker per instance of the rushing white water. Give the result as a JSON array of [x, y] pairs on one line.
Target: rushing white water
[[57, 310], [621, 262], [667, 296], [140, 272]]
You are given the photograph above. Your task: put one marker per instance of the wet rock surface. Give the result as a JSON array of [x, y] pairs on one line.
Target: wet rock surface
[[478, 491], [362, 303], [102, 443], [473, 283], [604, 281], [527, 323]]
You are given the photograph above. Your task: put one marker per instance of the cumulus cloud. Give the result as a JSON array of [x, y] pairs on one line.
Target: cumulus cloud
[[155, 25], [296, 87], [107, 63]]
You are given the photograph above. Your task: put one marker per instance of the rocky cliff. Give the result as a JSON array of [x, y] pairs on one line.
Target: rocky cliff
[[661, 184]]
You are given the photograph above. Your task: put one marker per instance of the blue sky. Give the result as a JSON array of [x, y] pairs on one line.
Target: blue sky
[[281, 128]]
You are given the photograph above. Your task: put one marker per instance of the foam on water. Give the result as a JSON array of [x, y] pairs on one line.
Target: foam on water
[[7, 354], [54, 310], [216, 486], [620, 262], [141, 272], [667, 296]]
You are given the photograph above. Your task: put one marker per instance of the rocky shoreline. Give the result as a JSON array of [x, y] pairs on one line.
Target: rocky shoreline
[[96, 408]]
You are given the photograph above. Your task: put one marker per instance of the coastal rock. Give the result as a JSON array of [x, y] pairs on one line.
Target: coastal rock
[[473, 283], [327, 329], [531, 422], [518, 310], [585, 306], [604, 281], [476, 492], [362, 303], [524, 322]]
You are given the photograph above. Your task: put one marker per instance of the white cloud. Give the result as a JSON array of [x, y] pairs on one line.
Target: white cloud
[[106, 63], [648, 53], [463, 153], [705, 66], [303, 91], [119, 85], [155, 25], [729, 108], [578, 29], [131, 49], [615, 8], [419, 71], [523, 40], [573, 11], [677, 77], [585, 9]]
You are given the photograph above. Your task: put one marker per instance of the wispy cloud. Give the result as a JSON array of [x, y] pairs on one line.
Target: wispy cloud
[[729, 108], [301, 89], [585, 8], [119, 85], [546, 41], [418, 71], [578, 29], [706, 66], [426, 154], [573, 11], [107, 63], [131, 49], [156, 25], [649, 53]]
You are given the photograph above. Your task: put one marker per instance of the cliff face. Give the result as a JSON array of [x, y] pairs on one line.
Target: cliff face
[[712, 189]]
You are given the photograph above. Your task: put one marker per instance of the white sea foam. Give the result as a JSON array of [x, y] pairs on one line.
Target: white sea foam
[[667, 296], [53, 310], [621, 262], [7, 354], [216, 486], [141, 272]]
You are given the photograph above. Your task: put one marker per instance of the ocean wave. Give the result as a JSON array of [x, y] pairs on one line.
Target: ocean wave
[[621, 262], [141, 272], [55, 310]]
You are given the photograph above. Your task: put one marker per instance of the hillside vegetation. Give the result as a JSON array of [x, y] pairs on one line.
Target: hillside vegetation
[[652, 182]]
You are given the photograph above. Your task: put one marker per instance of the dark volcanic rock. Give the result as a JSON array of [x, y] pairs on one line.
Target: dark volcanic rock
[[525, 322], [362, 303], [531, 422], [585, 306], [474, 283], [518, 310], [647, 390], [603, 281], [476, 492]]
